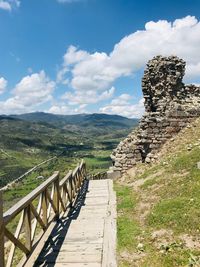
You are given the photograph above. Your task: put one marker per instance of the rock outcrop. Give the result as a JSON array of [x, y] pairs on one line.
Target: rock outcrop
[[169, 106]]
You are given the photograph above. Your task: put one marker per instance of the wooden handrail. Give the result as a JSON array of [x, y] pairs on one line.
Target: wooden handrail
[[52, 198], [19, 206], [67, 177]]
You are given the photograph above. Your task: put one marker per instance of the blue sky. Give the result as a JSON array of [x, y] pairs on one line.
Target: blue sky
[[75, 56]]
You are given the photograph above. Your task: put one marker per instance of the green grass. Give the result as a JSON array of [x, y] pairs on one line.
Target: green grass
[[175, 258], [150, 182], [172, 189], [179, 207], [178, 214], [127, 232], [127, 228]]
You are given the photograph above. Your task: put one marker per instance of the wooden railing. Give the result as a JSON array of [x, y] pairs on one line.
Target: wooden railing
[[35, 212]]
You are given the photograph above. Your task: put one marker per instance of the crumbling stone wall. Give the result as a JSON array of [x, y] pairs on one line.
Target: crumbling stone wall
[[169, 106]]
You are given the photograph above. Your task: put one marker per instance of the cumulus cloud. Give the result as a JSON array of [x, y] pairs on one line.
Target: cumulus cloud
[[192, 72], [71, 57], [122, 106], [66, 109], [89, 77], [78, 102], [97, 71], [29, 93], [3, 84], [9, 4], [87, 97], [61, 76]]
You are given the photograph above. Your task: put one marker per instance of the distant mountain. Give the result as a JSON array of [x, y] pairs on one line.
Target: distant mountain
[[81, 120]]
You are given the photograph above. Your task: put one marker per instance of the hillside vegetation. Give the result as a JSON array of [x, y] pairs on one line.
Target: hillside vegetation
[[159, 207], [29, 139]]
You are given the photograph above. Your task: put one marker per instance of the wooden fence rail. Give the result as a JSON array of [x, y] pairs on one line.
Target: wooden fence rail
[[48, 202]]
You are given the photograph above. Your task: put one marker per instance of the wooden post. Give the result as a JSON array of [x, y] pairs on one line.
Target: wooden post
[[71, 190], [79, 178], [27, 222], [56, 197], [2, 263], [84, 171], [63, 194], [44, 207]]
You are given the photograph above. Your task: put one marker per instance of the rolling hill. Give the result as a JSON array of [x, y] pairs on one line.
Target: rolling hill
[[28, 139], [82, 120]]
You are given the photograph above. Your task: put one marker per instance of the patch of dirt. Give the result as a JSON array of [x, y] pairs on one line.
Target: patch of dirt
[[142, 210], [181, 174], [144, 207], [190, 242], [136, 171], [146, 200], [137, 183], [162, 237], [134, 257]]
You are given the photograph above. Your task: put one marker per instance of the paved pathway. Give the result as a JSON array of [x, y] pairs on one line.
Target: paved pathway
[[87, 236]]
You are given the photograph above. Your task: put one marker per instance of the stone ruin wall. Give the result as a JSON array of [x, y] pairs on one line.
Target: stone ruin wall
[[169, 106]]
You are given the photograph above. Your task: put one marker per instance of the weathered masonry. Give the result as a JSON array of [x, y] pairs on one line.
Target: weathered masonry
[[169, 106]]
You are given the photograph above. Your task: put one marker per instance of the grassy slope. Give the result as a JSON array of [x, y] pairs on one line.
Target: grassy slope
[[159, 207]]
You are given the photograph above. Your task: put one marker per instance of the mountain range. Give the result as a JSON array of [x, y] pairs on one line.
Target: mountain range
[[95, 119]]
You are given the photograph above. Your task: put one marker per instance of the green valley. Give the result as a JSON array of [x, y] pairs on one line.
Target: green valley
[[29, 139]]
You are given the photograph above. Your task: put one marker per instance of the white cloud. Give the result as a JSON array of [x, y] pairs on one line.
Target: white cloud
[[66, 110], [98, 71], [192, 71], [122, 106], [87, 97], [29, 93], [73, 55], [5, 5], [9, 4], [90, 75], [61, 76], [3, 84], [77, 103]]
